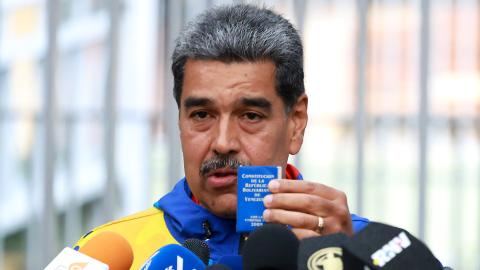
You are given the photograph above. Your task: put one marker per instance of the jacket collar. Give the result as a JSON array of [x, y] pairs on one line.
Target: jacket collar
[[189, 219]]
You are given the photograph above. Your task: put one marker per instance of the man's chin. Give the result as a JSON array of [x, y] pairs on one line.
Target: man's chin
[[226, 208]]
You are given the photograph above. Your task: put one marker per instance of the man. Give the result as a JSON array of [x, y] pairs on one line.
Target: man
[[238, 84]]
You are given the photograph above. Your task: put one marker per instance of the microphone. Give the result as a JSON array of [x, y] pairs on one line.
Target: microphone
[[271, 246], [173, 257], [322, 252], [325, 252], [234, 262], [382, 246], [110, 248], [105, 251], [72, 259], [199, 248]]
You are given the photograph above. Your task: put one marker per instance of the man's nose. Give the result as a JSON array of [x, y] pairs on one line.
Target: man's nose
[[226, 138]]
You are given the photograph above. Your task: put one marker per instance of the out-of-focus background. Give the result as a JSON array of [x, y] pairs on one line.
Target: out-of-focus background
[[88, 124]]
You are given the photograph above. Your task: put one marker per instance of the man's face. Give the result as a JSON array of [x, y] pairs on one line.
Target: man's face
[[230, 114]]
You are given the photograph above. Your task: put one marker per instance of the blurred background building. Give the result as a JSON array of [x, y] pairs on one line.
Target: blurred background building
[[88, 123]]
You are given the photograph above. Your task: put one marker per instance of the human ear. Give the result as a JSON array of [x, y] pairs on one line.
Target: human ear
[[298, 118]]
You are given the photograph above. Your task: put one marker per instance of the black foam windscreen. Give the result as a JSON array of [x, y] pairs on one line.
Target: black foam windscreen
[[271, 246], [382, 246], [199, 248], [326, 253], [322, 252]]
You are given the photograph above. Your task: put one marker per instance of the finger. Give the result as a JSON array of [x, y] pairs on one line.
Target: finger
[[304, 233], [306, 203], [292, 218], [292, 186]]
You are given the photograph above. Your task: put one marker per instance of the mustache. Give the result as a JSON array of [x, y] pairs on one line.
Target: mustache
[[220, 162]]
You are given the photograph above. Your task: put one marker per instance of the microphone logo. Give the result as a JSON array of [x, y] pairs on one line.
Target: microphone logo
[[179, 264], [326, 259], [77, 266], [391, 249]]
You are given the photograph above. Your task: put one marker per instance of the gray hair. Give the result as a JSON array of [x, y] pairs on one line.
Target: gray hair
[[241, 33]]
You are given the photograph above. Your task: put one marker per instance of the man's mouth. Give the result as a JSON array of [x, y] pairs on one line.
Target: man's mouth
[[222, 178]]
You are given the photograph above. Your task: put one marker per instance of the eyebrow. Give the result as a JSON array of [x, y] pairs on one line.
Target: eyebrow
[[260, 102], [195, 102]]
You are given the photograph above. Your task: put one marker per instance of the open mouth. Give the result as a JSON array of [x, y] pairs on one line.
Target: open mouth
[[222, 178], [223, 174]]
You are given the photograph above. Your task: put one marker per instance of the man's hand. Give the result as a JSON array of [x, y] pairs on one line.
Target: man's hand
[[301, 203]]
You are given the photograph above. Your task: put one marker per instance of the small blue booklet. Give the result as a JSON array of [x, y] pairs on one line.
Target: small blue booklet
[[252, 187]]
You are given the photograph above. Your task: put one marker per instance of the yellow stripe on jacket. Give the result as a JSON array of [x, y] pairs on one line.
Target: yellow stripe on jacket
[[145, 231]]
